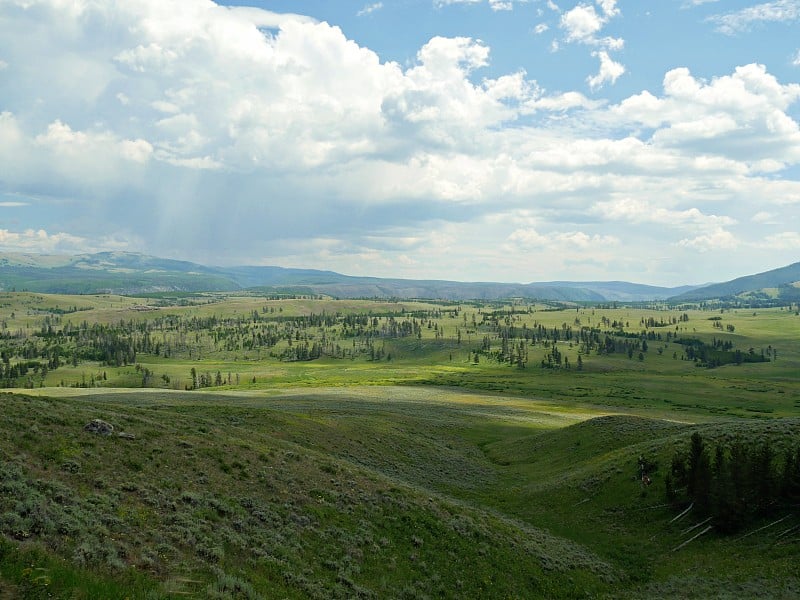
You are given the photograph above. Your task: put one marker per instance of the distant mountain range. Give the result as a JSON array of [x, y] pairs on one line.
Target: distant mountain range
[[130, 273]]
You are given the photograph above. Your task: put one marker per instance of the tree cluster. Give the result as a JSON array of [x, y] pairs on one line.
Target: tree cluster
[[718, 353], [736, 484]]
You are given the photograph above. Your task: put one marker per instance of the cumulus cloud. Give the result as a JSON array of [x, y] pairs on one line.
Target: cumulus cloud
[[609, 7], [183, 128], [742, 116], [40, 242], [719, 239], [62, 141], [583, 23], [609, 72], [61, 155], [785, 11]]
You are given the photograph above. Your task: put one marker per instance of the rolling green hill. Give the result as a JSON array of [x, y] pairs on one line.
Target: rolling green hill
[[781, 278]]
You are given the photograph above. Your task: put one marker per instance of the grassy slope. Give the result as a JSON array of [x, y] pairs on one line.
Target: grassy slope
[[397, 491], [769, 279], [217, 489]]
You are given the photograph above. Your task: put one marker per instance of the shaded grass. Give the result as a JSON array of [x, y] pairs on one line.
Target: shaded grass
[[267, 507], [29, 572]]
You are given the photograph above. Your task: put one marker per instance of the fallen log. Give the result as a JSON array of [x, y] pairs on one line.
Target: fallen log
[[700, 524], [680, 516], [706, 530], [764, 527]]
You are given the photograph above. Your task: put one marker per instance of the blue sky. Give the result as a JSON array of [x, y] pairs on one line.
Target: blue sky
[[513, 140], [658, 36]]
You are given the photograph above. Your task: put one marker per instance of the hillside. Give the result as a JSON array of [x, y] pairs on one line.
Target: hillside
[[107, 273], [214, 495], [130, 274], [385, 493], [781, 278]]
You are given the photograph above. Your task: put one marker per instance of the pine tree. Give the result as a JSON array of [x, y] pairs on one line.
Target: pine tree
[[699, 474]]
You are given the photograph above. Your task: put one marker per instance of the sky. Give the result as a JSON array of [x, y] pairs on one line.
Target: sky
[[474, 140]]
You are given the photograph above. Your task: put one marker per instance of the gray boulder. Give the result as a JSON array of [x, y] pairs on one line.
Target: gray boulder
[[99, 427]]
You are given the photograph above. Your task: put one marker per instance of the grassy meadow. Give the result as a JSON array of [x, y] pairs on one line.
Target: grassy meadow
[[320, 448]]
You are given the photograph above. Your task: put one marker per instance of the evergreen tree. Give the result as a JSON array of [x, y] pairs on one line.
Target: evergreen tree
[[699, 474]]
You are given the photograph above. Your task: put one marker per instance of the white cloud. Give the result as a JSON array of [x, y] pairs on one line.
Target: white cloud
[[634, 210], [12, 204], [189, 127], [787, 240], [719, 239], [493, 4], [530, 238], [743, 116], [582, 23], [514, 86], [369, 9], [541, 28], [95, 150], [609, 7], [448, 56], [786, 11], [440, 3], [3, 65], [39, 241], [609, 71], [561, 102], [796, 59], [501, 5], [764, 217]]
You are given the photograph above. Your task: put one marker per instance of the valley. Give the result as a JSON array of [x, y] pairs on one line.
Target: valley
[[315, 447]]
